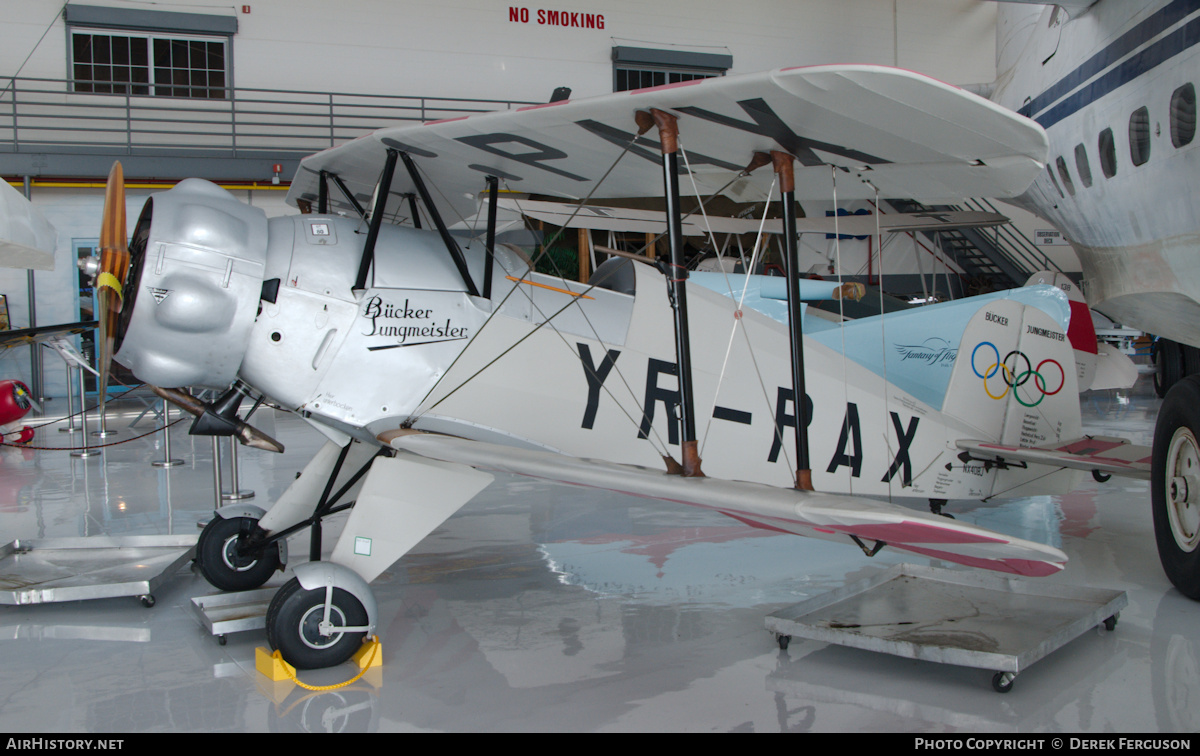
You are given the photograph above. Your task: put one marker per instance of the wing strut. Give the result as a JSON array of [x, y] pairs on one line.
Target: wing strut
[[452, 247], [668, 133], [381, 197], [493, 188], [787, 183]]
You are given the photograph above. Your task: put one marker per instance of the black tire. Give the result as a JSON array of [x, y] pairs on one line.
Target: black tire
[[1190, 356], [1169, 366], [292, 620], [219, 562], [1001, 682], [1175, 486]]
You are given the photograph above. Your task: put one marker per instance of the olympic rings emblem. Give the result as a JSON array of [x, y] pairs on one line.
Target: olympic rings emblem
[[1008, 370]]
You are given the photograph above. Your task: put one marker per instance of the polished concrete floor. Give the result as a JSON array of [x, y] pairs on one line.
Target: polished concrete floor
[[546, 609]]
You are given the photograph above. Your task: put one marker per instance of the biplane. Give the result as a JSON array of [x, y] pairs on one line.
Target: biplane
[[432, 360]]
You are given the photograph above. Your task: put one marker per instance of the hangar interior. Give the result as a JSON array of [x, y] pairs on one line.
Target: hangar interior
[[536, 607]]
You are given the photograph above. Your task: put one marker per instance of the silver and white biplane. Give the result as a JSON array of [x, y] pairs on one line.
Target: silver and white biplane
[[431, 360]]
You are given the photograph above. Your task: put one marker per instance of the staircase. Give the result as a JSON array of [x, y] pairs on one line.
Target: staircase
[[992, 259]]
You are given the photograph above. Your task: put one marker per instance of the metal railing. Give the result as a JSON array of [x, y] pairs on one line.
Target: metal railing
[[36, 114], [1015, 245]]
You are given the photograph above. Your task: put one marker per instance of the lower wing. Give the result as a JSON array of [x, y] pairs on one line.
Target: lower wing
[[807, 513]]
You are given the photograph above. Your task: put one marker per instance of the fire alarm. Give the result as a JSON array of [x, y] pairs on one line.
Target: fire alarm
[[245, 9]]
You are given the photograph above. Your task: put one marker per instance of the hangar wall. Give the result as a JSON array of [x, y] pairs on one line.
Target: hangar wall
[[480, 49], [485, 49]]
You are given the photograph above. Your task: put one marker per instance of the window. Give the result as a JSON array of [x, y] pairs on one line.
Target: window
[[148, 65], [1139, 136], [149, 52], [1108, 153], [638, 68], [1065, 175], [640, 78], [1082, 167], [110, 65], [1054, 181], [1183, 115]]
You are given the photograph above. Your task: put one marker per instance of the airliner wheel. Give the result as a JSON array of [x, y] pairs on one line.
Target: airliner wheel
[[1175, 485], [1168, 358]]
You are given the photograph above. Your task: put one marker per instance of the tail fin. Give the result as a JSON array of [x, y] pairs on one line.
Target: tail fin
[[1013, 383]]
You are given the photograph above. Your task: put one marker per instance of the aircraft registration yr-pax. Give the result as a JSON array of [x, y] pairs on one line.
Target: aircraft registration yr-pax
[[431, 360]]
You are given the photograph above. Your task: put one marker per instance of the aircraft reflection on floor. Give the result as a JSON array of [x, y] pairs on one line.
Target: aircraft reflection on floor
[[556, 609]]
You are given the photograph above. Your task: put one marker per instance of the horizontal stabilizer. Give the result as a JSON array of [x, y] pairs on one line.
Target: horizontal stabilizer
[[1103, 454], [819, 515]]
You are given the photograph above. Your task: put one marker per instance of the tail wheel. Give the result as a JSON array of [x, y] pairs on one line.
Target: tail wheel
[[1175, 486], [225, 565], [308, 633]]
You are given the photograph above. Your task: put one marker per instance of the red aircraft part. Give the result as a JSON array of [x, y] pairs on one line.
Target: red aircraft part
[[14, 405]]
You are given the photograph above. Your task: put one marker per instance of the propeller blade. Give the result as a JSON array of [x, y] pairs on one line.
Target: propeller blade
[[109, 282]]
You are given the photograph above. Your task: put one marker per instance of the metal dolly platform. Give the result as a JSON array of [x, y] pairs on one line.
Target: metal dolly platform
[[39, 571], [956, 617], [224, 613]]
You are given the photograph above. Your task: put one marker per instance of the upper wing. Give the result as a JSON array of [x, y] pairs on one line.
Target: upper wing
[[636, 220], [27, 240], [907, 134], [818, 515]]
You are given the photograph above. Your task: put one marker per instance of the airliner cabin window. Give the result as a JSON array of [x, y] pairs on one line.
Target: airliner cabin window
[[1139, 136], [1082, 166], [1054, 181], [1183, 115], [1108, 153], [1065, 175]]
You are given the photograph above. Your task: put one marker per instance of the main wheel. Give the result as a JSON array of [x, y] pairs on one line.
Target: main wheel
[[294, 621], [1175, 486], [1168, 357], [221, 564]]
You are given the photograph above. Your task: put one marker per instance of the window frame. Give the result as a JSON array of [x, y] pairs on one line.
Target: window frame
[[137, 23], [1065, 175], [153, 86], [1139, 136], [1181, 94], [1106, 146], [1082, 166], [665, 66]]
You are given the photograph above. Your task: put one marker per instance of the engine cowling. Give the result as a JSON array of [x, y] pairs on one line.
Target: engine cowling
[[197, 261]]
